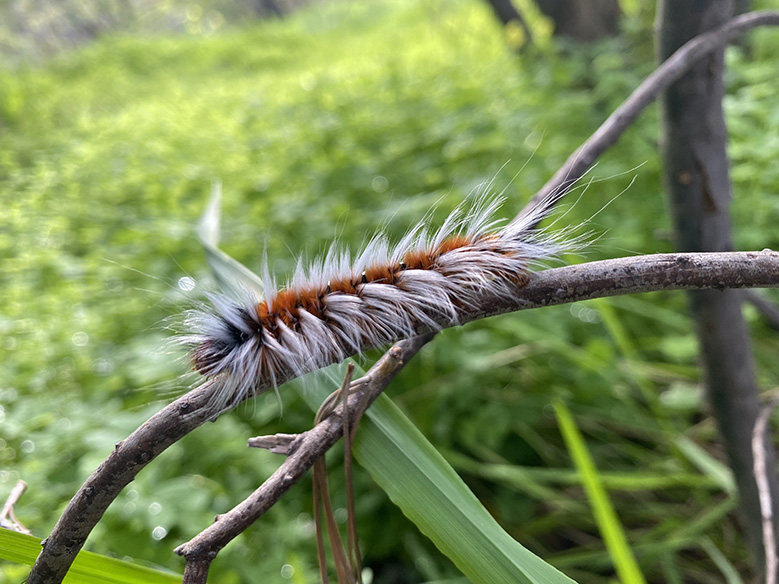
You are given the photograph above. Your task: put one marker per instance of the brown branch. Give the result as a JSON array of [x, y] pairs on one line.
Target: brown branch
[[761, 473], [549, 287], [202, 549], [557, 286], [596, 279], [190, 411], [661, 78]]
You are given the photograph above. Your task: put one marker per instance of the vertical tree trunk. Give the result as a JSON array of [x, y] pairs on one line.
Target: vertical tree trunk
[[583, 20], [507, 14], [265, 8], [698, 183], [742, 6]]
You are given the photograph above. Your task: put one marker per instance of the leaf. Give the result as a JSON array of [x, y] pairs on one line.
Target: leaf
[[725, 566], [420, 481], [430, 493], [230, 274], [605, 516], [707, 464], [89, 567]]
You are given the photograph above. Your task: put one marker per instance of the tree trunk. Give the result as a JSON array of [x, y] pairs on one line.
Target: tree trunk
[[265, 8], [698, 183], [507, 14], [583, 20]]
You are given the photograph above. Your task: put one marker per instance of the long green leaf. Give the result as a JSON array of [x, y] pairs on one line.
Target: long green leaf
[[721, 561], [418, 479], [535, 480], [89, 568], [231, 274], [605, 516], [430, 493], [707, 464]]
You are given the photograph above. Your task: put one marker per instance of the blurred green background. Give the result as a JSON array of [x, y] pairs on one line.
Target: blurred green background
[[335, 120]]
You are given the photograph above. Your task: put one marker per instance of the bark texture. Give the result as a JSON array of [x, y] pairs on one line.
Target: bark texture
[[507, 14], [583, 20], [698, 183]]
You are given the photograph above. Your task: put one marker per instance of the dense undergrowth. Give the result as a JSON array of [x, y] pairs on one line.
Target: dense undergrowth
[[339, 119]]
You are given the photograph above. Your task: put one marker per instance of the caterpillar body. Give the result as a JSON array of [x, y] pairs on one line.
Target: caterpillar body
[[339, 306]]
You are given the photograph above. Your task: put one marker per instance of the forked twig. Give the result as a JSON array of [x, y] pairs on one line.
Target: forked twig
[[550, 287], [345, 569], [8, 519], [202, 549], [187, 413]]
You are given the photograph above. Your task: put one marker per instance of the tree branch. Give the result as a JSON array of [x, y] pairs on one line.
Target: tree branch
[[550, 287], [191, 410], [661, 78], [202, 549], [557, 286]]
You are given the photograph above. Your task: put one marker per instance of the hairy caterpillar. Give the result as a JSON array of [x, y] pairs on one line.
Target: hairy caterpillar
[[338, 306]]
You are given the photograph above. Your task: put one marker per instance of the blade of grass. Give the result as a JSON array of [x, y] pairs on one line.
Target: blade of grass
[[231, 274], [535, 480], [719, 559], [707, 464], [416, 477], [627, 349], [420, 481], [605, 516], [671, 568], [600, 559], [89, 568]]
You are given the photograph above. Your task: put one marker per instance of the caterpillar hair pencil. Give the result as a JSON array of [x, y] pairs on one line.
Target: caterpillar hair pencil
[[340, 306]]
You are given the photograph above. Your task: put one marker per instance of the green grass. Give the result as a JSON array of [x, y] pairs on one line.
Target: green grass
[[88, 568], [337, 120]]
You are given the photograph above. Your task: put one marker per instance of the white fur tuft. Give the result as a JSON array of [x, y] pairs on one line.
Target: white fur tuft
[[243, 353]]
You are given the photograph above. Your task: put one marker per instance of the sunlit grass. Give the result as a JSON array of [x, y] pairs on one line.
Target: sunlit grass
[[342, 118]]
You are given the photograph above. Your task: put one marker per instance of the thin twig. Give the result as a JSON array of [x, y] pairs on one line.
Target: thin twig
[[350, 429], [276, 443], [7, 518], [759, 444], [187, 413], [205, 546], [320, 541], [321, 492], [660, 79], [684, 271]]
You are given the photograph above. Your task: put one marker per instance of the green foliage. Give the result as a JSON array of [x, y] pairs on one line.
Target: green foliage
[[608, 523], [342, 118], [428, 491], [88, 568]]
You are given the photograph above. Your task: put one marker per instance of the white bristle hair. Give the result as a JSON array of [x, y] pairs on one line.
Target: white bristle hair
[[243, 352]]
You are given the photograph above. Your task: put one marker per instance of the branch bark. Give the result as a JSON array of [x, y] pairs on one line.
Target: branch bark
[[698, 183], [615, 125], [190, 411], [592, 280]]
